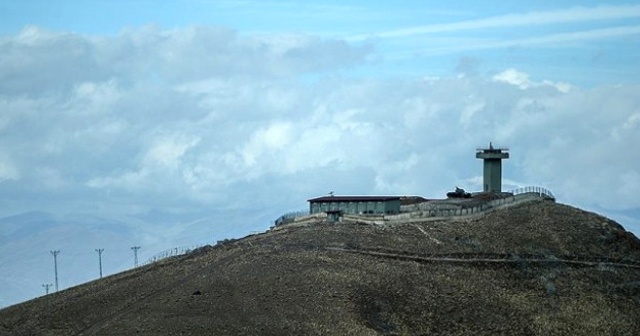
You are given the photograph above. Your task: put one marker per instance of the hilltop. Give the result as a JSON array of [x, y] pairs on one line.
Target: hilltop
[[538, 268]]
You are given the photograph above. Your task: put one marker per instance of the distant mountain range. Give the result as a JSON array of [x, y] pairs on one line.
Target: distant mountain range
[[27, 239]]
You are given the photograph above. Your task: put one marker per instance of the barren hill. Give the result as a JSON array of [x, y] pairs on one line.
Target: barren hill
[[534, 269]]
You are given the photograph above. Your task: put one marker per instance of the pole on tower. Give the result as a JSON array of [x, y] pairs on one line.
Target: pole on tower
[[135, 255], [100, 260], [46, 287], [55, 265]]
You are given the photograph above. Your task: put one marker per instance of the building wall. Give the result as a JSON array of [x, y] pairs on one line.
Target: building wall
[[369, 207], [492, 175]]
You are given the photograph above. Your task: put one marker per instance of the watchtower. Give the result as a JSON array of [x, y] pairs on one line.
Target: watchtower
[[492, 166]]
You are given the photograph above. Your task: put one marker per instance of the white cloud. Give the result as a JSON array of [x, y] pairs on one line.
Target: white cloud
[[569, 15], [569, 37], [167, 151], [7, 170], [514, 77], [128, 180], [574, 30], [469, 111], [633, 121], [203, 118], [270, 139], [521, 80]]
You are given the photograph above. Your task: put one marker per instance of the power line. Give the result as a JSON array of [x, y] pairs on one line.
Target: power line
[[100, 260], [135, 255], [46, 287], [55, 265]]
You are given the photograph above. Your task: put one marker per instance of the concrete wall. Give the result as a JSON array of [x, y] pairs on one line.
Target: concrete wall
[[447, 212], [492, 175]]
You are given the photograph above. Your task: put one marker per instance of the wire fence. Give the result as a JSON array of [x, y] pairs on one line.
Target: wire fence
[[290, 217], [172, 252]]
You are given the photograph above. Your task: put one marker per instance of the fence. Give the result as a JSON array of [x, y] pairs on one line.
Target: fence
[[542, 192], [176, 251], [290, 217]]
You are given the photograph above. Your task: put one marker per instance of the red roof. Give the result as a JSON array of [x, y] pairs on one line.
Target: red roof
[[327, 199]]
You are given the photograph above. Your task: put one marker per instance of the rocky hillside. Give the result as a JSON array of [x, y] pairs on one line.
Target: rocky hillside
[[534, 269]]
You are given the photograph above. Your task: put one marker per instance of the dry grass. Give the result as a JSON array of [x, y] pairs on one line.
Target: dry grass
[[286, 282]]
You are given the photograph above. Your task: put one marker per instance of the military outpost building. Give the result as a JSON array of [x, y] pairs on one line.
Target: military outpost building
[[335, 206], [355, 204]]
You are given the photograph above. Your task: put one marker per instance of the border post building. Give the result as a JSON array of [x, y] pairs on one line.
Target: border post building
[[335, 206], [492, 157]]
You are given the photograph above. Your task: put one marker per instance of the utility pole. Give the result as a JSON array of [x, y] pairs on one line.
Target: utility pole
[[55, 265], [46, 287], [100, 260], [135, 255]]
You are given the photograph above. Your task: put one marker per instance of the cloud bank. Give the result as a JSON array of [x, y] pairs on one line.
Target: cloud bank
[[203, 117]]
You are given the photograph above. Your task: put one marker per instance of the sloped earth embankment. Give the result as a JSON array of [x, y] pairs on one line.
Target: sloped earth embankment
[[309, 280]]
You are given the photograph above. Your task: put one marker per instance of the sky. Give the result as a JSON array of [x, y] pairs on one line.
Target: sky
[[179, 123]]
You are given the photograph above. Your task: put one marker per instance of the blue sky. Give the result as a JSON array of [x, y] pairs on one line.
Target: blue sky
[[177, 123], [412, 37]]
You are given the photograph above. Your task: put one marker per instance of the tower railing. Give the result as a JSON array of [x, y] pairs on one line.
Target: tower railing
[[482, 149]]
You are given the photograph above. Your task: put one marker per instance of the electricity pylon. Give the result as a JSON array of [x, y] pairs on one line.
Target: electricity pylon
[[135, 255]]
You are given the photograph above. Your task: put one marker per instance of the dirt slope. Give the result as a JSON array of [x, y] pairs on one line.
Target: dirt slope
[[535, 269]]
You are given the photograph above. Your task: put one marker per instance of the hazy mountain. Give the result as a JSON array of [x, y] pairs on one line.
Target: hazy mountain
[[27, 239]]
